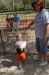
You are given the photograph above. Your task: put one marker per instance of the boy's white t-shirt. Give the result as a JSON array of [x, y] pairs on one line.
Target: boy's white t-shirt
[[21, 44]]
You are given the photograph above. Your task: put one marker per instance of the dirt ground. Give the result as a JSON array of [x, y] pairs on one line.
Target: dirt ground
[[8, 66]]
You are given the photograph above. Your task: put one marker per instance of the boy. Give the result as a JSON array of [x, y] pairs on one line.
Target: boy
[[20, 50]]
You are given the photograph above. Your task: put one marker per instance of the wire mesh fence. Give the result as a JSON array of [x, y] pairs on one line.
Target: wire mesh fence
[[8, 38]]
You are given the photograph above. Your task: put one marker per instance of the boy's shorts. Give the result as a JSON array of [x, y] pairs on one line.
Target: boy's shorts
[[41, 47], [21, 56]]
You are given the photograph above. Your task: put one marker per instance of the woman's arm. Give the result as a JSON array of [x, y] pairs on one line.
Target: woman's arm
[[43, 39], [31, 23], [46, 30]]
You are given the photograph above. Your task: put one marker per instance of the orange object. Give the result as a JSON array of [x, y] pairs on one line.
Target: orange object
[[24, 22], [21, 56]]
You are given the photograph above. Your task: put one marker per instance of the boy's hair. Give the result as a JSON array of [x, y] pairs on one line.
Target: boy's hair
[[18, 34], [41, 3]]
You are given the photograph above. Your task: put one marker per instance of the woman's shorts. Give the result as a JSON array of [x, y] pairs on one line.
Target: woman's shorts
[[41, 47]]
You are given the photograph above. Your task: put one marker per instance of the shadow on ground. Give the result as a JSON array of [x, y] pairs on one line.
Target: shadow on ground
[[8, 66]]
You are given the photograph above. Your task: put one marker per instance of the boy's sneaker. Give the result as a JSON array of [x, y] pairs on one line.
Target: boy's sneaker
[[43, 63]]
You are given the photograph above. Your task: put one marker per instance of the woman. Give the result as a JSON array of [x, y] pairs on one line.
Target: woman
[[41, 22]]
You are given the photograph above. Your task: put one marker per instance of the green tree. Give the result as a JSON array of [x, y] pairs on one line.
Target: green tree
[[47, 3]]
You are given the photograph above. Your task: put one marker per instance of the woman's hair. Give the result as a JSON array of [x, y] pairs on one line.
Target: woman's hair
[[40, 2]]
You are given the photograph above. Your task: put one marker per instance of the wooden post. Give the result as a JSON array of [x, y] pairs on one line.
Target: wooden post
[[2, 42]]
